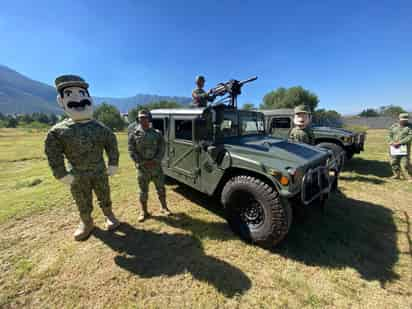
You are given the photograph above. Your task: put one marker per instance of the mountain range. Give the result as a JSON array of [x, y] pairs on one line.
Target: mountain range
[[20, 94]]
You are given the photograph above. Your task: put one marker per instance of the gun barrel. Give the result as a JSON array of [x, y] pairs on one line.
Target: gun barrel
[[221, 89], [248, 80]]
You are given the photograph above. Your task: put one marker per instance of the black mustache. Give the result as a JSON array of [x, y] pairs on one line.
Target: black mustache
[[82, 103]]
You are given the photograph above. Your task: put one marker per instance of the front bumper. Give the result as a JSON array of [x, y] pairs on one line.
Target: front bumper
[[315, 183], [359, 142]]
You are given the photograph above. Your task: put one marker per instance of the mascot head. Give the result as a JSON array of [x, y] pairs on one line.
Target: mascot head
[[74, 98], [302, 116]]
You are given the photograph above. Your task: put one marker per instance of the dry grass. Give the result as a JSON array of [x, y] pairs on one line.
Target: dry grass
[[357, 254]]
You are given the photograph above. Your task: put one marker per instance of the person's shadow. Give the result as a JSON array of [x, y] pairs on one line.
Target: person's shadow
[[149, 254], [368, 167]]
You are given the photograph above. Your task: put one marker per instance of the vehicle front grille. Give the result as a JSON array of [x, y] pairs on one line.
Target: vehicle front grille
[[315, 182]]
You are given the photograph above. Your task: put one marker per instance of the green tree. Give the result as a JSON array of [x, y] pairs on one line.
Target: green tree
[[248, 106], [369, 112], [53, 119], [27, 118], [11, 122], [290, 98], [110, 116], [153, 105], [325, 117], [391, 110]]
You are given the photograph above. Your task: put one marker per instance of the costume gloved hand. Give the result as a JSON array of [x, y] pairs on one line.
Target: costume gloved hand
[[112, 169], [67, 180]]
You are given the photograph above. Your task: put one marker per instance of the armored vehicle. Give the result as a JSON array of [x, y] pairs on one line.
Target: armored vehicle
[[279, 122], [222, 151]]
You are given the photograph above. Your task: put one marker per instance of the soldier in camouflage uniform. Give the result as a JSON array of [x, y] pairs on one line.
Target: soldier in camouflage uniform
[[146, 148], [199, 96], [400, 134], [82, 140], [302, 132]]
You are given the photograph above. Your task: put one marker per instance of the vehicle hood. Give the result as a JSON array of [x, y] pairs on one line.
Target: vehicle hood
[[273, 151], [330, 130]]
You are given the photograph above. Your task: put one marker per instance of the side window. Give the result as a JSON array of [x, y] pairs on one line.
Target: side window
[[281, 123], [159, 125], [183, 129]]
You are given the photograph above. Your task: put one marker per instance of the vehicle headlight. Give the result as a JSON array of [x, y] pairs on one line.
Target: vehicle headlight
[[284, 180]]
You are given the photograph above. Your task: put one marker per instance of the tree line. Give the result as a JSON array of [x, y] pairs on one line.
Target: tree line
[[34, 120], [276, 99], [387, 111]]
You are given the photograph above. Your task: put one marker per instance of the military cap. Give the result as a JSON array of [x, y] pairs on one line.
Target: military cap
[[144, 113], [200, 77], [65, 81], [302, 109], [404, 116]]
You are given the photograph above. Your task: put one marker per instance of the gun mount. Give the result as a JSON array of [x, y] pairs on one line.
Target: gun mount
[[232, 89]]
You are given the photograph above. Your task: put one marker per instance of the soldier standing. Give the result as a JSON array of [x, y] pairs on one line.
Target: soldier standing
[[82, 140], [302, 132], [199, 96], [146, 148], [400, 138]]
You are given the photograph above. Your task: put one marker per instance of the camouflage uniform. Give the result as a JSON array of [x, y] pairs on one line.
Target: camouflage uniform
[[201, 97], [148, 146], [401, 164], [82, 144], [302, 135]]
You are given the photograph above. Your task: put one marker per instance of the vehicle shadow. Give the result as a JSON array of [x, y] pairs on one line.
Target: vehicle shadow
[[375, 181], [202, 229], [351, 233], [149, 254], [368, 167]]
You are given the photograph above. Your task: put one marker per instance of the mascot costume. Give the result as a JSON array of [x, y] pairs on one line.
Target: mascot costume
[[302, 132], [81, 141]]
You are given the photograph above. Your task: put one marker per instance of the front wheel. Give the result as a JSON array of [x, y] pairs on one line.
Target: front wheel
[[337, 151], [255, 211]]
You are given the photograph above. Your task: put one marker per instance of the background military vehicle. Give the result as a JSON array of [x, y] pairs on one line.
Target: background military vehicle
[[279, 122], [220, 150]]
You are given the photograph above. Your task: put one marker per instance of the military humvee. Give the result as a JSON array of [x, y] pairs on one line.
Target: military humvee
[[222, 151], [279, 122]]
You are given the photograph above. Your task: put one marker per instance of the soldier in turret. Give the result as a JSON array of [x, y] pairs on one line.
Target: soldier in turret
[[199, 95], [400, 138]]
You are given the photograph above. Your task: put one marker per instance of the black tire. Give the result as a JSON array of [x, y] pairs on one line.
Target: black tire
[[337, 152], [254, 211], [349, 155]]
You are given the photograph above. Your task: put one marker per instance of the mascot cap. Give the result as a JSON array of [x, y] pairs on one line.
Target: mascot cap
[[302, 109], [65, 81], [404, 116]]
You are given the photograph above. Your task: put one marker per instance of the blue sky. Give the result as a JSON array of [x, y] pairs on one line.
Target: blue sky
[[352, 54]]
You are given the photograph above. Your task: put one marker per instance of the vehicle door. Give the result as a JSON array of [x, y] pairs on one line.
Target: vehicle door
[[162, 124], [183, 152]]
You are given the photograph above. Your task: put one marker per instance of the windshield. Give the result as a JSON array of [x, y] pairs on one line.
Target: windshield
[[248, 123]]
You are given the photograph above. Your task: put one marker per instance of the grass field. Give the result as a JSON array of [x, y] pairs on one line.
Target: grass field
[[358, 254]]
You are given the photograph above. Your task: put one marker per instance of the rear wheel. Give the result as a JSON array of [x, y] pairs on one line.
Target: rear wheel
[[255, 211]]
